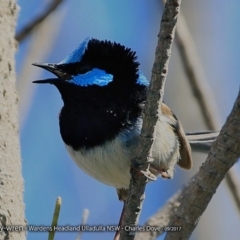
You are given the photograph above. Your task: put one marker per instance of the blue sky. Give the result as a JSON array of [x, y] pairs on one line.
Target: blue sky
[[48, 170]]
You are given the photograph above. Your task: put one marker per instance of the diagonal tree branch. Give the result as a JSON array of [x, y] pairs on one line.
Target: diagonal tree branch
[[222, 156], [31, 26], [154, 98], [165, 215]]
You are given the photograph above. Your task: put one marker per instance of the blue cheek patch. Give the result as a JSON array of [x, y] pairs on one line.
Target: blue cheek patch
[[77, 54], [142, 80], [94, 77], [101, 78]]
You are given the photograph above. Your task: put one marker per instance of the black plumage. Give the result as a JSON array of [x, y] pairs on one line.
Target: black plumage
[[93, 115]]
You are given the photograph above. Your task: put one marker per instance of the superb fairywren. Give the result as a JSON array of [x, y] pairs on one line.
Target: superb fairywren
[[103, 92]]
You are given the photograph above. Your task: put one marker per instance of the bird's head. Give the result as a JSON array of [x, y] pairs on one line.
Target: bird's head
[[102, 90], [96, 64]]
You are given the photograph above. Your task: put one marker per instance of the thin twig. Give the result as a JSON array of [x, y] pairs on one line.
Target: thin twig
[[84, 222], [30, 27], [154, 98], [222, 156], [55, 218], [194, 71]]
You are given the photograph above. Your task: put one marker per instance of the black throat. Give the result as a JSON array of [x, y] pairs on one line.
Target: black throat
[[94, 115]]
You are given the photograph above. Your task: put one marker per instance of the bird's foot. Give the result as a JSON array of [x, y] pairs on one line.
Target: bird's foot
[[135, 171], [149, 175], [165, 173]]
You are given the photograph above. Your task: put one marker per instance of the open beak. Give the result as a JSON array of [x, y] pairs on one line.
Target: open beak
[[53, 68]]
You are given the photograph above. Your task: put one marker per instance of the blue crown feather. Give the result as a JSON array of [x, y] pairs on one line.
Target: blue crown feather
[[95, 76], [76, 55]]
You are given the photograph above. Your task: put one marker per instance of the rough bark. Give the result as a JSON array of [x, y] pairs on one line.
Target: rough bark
[[11, 181], [223, 155], [134, 203]]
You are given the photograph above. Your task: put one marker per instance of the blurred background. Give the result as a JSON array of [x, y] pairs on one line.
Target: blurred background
[[48, 170]]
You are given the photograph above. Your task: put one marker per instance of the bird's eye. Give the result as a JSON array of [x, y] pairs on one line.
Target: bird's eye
[[84, 69]]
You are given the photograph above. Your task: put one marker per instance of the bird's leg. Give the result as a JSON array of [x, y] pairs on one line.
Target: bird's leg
[[123, 193], [122, 196]]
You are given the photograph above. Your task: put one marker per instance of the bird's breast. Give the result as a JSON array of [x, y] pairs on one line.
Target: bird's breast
[[108, 158], [108, 163]]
